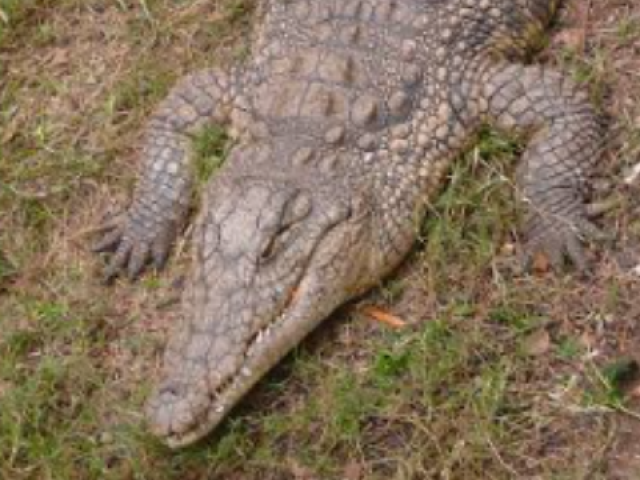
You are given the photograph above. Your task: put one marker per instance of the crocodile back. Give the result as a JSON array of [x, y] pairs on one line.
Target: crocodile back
[[363, 65], [325, 64]]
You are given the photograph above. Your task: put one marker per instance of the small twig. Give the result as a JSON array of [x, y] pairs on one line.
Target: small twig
[[598, 209], [625, 411], [147, 12], [633, 175], [501, 460], [181, 244], [90, 231], [585, 20]]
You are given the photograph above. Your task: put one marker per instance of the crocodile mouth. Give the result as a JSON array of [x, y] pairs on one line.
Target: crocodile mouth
[[262, 351], [182, 412], [214, 362]]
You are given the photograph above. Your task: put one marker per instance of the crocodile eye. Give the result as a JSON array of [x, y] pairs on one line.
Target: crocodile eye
[[296, 209], [268, 250], [275, 244]]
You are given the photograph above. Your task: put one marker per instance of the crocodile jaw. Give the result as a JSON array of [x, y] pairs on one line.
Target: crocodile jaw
[[199, 389], [266, 350]]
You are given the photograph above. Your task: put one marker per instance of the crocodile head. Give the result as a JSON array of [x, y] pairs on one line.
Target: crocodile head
[[272, 260]]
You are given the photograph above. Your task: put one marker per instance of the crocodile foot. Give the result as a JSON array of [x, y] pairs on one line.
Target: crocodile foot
[[134, 245], [560, 238]]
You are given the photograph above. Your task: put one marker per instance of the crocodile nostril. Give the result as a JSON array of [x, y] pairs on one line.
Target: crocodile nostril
[[170, 391], [166, 409], [176, 408]]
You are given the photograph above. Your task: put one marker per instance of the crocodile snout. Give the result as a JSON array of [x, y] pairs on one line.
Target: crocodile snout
[[175, 407]]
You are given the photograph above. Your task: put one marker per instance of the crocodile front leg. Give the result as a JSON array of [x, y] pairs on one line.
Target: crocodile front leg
[[566, 139], [159, 209]]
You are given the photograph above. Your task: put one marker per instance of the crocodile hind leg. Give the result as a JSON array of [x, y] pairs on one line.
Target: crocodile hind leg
[[566, 138], [159, 208]]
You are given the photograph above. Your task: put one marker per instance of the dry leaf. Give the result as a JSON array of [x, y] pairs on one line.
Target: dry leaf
[[588, 340], [635, 391], [353, 471], [384, 317], [300, 472], [573, 38], [508, 249], [538, 343], [541, 263]]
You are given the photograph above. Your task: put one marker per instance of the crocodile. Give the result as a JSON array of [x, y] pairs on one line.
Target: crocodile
[[345, 121]]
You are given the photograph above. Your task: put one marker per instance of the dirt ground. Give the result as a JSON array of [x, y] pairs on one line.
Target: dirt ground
[[77, 80]]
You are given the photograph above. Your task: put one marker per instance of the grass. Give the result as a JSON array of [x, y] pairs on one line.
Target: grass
[[456, 231], [460, 393], [211, 148]]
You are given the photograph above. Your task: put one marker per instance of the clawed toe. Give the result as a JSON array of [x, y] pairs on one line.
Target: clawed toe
[[560, 242], [118, 262], [131, 253], [108, 243], [112, 232], [556, 250]]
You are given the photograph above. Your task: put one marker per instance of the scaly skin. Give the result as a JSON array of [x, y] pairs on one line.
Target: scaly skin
[[346, 119]]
